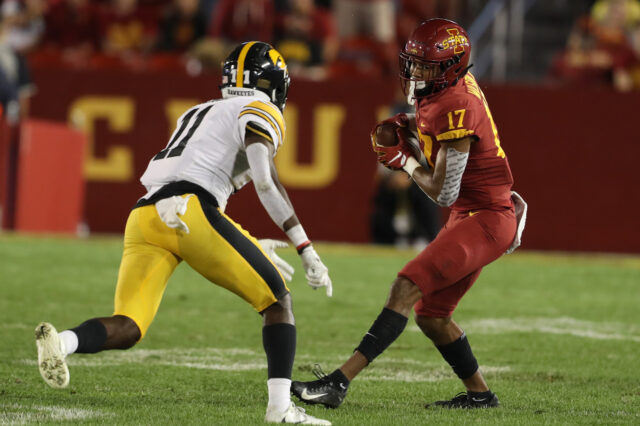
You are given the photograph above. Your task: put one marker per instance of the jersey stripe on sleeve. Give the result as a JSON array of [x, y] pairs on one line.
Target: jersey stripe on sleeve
[[258, 130], [454, 134], [269, 113]]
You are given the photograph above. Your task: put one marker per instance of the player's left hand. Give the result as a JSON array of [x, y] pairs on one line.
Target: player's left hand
[[316, 273], [394, 157], [269, 247]]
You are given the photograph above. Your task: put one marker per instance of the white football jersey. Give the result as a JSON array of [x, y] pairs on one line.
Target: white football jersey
[[207, 148]]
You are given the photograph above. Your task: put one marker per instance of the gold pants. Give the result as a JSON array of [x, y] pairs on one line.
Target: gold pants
[[216, 247]]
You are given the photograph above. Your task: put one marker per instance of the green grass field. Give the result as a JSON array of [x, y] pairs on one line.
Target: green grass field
[[557, 336]]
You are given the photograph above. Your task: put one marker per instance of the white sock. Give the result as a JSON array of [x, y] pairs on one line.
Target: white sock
[[69, 341], [279, 394]]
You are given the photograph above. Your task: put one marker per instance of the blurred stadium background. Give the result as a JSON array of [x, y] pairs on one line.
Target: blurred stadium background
[[91, 90]]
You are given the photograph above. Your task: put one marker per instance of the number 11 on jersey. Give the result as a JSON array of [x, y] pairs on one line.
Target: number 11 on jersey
[[175, 150]]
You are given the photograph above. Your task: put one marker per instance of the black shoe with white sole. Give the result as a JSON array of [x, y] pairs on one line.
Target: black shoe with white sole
[[328, 390]]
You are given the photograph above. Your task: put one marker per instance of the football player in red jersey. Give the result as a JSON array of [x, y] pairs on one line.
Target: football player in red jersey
[[465, 169]]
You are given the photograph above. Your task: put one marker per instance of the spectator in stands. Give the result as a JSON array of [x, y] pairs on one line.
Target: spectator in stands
[[9, 104], [366, 17], [599, 50], [236, 21], [413, 12], [26, 23], [182, 25], [367, 36], [24, 27], [307, 38], [207, 6], [71, 26], [127, 30], [635, 45]]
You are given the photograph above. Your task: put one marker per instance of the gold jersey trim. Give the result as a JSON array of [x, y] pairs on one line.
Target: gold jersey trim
[[454, 134], [427, 144], [258, 132], [270, 113], [264, 117]]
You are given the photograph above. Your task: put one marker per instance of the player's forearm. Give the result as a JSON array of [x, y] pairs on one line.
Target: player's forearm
[[274, 175], [292, 226], [429, 181], [278, 209], [273, 196], [442, 184], [293, 220]]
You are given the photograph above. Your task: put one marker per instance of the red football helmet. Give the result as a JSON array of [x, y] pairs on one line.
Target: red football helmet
[[435, 57]]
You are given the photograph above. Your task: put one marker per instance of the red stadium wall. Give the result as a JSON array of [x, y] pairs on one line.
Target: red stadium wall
[[581, 195]]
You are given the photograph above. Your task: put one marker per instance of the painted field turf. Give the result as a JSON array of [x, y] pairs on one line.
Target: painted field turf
[[558, 337]]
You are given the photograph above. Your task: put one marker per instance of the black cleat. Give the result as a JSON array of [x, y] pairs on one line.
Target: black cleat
[[462, 400], [323, 391]]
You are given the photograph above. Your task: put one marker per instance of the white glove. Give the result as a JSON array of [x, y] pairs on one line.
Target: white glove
[[269, 247], [316, 273], [170, 209]]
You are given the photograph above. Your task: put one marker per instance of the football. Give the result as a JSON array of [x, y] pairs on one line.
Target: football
[[386, 136]]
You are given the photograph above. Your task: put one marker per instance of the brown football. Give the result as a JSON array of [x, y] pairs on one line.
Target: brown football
[[386, 136]]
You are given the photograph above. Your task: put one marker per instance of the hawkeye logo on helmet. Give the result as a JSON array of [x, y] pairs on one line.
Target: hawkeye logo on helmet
[[277, 59], [455, 40]]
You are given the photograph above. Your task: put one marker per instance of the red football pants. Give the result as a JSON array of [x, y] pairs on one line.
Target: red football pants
[[451, 263]]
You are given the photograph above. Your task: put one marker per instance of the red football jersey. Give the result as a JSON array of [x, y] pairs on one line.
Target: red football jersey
[[461, 111]]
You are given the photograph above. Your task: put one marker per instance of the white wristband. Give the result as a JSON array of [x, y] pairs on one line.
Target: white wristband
[[297, 235], [411, 165]]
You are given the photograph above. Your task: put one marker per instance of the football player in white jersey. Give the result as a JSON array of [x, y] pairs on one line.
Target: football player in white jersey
[[217, 147]]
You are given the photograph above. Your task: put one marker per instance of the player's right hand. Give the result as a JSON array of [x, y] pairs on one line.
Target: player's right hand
[[394, 157], [316, 273]]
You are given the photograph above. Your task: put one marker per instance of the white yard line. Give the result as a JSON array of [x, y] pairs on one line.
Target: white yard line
[[227, 359], [236, 366], [17, 414], [560, 325], [429, 375]]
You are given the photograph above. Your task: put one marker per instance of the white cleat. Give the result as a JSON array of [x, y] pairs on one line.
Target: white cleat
[[51, 363], [293, 415]]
